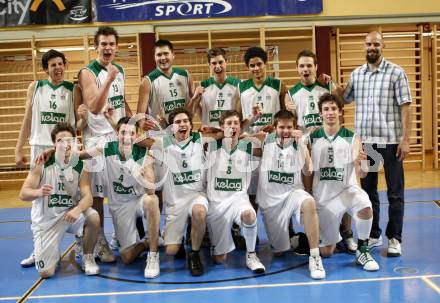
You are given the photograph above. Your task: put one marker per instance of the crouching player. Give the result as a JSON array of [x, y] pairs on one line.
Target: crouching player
[[229, 175], [63, 200], [281, 193], [337, 155]]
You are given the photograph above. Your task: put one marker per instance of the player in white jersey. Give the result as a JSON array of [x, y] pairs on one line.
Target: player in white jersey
[[164, 89], [47, 102], [102, 85], [303, 97], [281, 193], [229, 174], [338, 158], [215, 94], [62, 200], [131, 188]]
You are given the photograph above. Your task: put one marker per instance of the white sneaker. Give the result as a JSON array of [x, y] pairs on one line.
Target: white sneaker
[[316, 268], [364, 258], [254, 264], [103, 251], [89, 265], [152, 268], [78, 247], [29, 261], [394, 248], [375, 242]]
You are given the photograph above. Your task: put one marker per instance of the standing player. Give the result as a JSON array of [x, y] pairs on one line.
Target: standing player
[[215, 94], [281, 193], [48, 102], [166, 88], [229, 175], [102, 85], [303, 97], [60, 192], [337, 155]]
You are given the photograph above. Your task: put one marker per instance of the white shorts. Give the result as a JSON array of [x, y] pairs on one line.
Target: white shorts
[[36, 150], [351, 200], [221, 216], [47, 242], [276, 218], [175, 221], [96, 167], [124, 217]]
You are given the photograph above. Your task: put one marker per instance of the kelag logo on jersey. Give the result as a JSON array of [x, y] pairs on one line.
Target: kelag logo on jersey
[[138, 10], [312, 120], [172, 105], [281, 178], [265, 119], [117, 101], [331, 173], [187, 177], [52, 118], [214, 115], [122, 190], [60, 201], [226, 184]]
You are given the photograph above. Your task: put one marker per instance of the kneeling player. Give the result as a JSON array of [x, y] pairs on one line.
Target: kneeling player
[[62, 203], [337, 155], [281, 193], [229, 174]]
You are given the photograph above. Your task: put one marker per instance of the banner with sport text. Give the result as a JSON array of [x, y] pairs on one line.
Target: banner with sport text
[[26, 12], [138, 10]]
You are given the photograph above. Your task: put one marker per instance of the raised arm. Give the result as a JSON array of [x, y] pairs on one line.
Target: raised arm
[[194, 104], [30, 190], [25, 130], [283, 94], [96, 98]]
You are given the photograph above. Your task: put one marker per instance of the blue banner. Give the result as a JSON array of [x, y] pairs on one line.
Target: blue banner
[[139, 10]]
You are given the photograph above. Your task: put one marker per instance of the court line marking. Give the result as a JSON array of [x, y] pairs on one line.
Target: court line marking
[[181, 290], [431, 284], [40, 281]]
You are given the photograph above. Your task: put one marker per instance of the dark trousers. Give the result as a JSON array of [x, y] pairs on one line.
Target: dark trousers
[[394, 177]]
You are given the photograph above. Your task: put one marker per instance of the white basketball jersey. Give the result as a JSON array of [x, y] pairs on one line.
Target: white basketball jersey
[[280, 172], [186, 169], [268, 96], [50, 104], [47, 210], [229, 172], [306, 100], [167, 93], [333, 162], [217, 98], [122, 186], [97, 125]]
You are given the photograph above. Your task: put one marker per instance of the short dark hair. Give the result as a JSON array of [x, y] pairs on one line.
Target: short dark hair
[[177, 111], [216, 51], [307, 53], [124, 120], [229, 113], [255, 51], [50, 54], [61, 127], [105, 31], [285, 114], [327, 97], [161, 43]]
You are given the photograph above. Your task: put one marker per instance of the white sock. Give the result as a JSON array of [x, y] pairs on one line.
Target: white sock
[[363, 227], [250, 236], [314, 252]]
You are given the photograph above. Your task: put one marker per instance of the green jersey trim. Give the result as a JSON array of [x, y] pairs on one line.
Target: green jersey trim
[[175, 70], [66, 84], [269, 81]]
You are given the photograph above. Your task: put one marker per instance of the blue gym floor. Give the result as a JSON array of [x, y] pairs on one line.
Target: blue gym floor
[[415, 276]]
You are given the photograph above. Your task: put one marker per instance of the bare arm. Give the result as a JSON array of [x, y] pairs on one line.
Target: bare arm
[[144, 96], [283, 94], [360, 157], [289, 104], [96, 98], [30, 190], [194, 104], [81, 110], [128, 111], [25, 130], [403, 147], [191, 86]]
